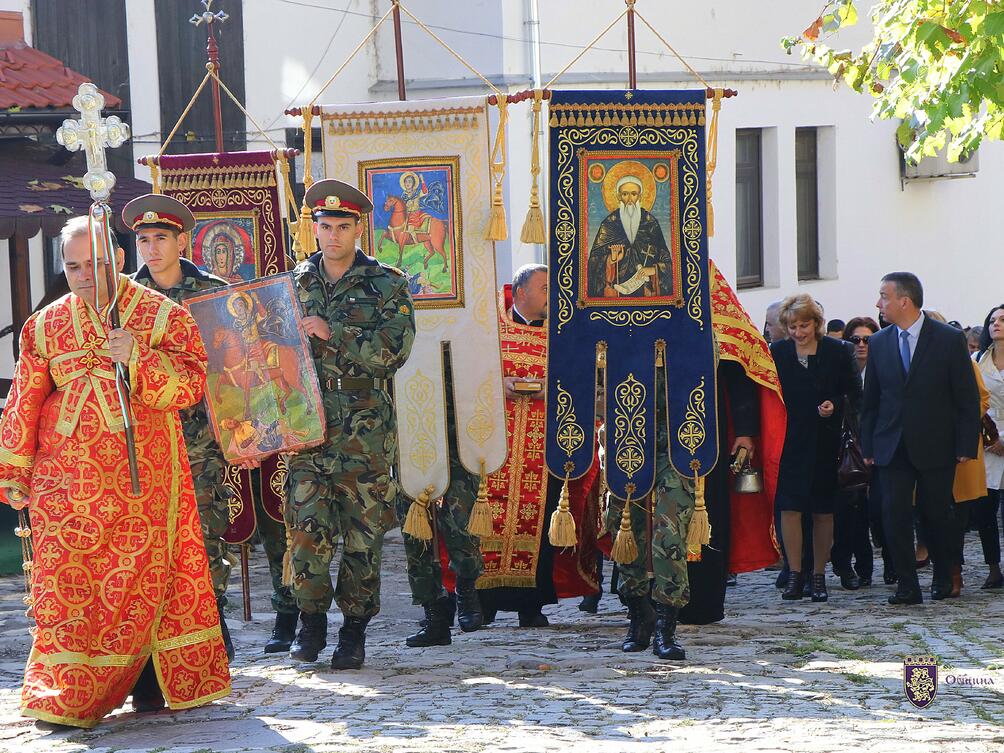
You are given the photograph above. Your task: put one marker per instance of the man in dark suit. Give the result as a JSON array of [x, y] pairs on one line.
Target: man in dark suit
[[920, 417]]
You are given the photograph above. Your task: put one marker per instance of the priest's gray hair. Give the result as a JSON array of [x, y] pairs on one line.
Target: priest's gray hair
[[522, 275], [76, 227]]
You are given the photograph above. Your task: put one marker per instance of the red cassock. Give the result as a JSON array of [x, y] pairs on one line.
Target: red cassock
[[518, 491], [116, 577]]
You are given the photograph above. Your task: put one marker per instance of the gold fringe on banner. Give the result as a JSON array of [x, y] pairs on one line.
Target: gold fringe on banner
[[533, 226], [349, 123], [480, 522], [699, 533], [625, 548], [498, 228], [561, 531], [712, 154], [417, 523]]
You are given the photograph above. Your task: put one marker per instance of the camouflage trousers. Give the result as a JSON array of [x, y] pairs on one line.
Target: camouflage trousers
[[272, 535], [425, 573], [212, 498], [340, 491], [662, 562]]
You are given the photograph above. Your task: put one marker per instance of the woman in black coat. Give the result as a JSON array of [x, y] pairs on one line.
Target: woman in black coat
[[818, 377]]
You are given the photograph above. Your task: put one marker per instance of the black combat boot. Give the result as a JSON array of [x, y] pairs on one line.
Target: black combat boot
[[227, 642], [468, 606], [436, 630], [665, 646], [642, 618], [312, 638], [146, 695], [283, 632], [451, 605], [351, 649]]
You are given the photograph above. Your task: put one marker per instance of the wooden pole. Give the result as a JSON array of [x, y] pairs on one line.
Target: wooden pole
[[246, 582], [632, 70], [399, 52], [213, 55]]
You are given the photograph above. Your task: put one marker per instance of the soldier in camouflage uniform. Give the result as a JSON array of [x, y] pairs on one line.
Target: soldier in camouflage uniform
[[163, 226], [425, 574], [673, 507], [361, 321]]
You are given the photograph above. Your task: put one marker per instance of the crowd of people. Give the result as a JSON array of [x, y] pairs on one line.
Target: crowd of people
[[917, 404], [890, 438]]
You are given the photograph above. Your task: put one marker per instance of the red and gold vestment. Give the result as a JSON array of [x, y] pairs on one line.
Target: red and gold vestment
[[116, 577]]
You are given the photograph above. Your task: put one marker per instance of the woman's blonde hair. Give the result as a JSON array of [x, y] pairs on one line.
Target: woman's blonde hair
[[802, 307]]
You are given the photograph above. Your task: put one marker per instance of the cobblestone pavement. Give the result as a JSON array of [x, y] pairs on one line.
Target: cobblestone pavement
[[773, 676]]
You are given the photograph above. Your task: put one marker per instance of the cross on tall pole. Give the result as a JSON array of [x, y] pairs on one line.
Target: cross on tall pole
[[93, 134], [213, 61]]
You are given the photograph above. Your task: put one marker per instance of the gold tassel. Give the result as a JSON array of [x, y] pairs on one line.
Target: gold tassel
[[625, 548], [712, 151], [155, 177], [533, 226], [480, 522], [417, 522], [561, 532], [699, 533], [287, 556], [498, 227]]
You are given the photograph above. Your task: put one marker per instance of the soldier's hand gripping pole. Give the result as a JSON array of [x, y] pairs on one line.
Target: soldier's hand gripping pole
[[103, 257]]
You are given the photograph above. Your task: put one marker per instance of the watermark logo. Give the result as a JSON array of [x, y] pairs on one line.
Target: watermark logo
[[920, 680]]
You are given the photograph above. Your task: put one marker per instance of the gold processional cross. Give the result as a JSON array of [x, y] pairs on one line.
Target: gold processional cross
[[93, 134]]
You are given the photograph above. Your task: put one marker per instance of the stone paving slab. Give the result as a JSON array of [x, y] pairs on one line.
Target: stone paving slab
[[774, 676]]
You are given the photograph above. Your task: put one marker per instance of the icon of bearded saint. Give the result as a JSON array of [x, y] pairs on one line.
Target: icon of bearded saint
[[629, 256]]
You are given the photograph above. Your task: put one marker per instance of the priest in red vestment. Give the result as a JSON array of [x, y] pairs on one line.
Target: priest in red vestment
[[522, 570], [119, 584]]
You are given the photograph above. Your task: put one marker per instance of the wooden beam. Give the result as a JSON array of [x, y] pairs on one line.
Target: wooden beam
[[20, 286]]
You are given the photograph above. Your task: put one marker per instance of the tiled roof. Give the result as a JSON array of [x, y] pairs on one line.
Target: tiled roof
[[30, 79], [37, 194]]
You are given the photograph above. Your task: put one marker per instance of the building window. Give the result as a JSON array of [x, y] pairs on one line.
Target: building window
[[807, 203], [749, 207]]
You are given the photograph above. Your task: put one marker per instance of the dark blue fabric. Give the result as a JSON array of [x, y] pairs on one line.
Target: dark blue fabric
[[631, 327]]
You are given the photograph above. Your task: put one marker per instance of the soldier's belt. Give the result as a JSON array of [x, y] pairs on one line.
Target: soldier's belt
[[353, 383]]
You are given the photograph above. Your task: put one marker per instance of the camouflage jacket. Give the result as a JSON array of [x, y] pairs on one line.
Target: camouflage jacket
[[195, 423], [370, 313]]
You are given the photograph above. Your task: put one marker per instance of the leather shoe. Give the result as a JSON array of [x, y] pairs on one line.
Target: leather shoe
[[993, 582], [533, 619], [819, 587], [590, 603], [793, 590], [642, 618], [782, 578], [850, 582], [910, 597], [889, 575], [864, 581]]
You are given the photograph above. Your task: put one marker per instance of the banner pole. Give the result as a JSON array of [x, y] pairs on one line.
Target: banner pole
[[632, 68], [399, 52]]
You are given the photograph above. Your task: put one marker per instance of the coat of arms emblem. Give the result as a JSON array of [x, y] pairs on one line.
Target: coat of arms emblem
[[920, 679]]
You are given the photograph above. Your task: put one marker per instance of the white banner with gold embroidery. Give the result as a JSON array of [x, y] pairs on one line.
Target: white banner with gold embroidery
[[425, 165]]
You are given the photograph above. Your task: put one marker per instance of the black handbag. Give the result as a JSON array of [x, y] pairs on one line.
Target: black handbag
[[852, 473]]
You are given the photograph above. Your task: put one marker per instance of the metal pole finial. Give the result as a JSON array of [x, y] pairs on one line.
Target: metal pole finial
[[207, 15]]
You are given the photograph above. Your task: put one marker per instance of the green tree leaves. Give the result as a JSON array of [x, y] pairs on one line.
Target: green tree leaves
[[936, 64]]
